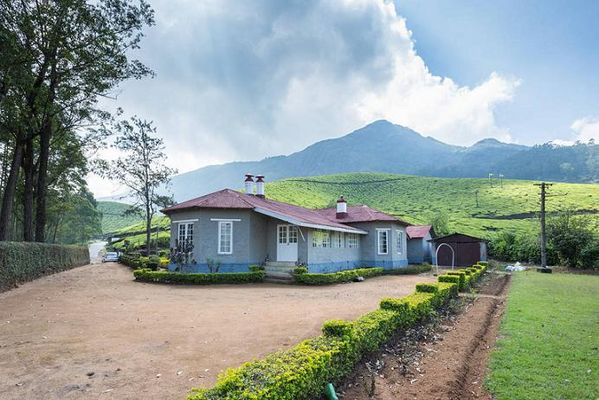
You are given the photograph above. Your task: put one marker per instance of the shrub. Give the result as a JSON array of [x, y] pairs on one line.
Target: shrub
[[133, 260], [25, 261], [427, 288], [337, 277], [337, 327], [256, 268], [300, 270], [145, 275], [302, 372], [409, 270], [153, 263], [450, 279]]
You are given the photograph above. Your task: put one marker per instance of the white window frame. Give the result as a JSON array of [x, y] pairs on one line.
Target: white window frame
[[378, 240], [353, 241], [399, 234], [186, 228], [221, 224]]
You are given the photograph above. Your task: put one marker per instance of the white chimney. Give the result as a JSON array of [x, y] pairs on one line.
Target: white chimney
[[249, 184], [260, 186], [341, 208]]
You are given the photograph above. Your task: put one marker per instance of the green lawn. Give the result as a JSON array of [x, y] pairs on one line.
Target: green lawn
[[549, 342]]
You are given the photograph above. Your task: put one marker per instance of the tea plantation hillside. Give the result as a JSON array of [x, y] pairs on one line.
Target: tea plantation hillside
[[112, 216], [508, 205]]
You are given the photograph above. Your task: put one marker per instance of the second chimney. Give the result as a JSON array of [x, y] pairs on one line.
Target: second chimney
[[341, 208], [249, 184], [260, 186]]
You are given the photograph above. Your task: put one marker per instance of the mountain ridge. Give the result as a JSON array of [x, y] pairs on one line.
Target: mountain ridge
[[382, 146]]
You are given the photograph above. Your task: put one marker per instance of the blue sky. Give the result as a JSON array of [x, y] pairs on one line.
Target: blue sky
[[239, 80], [551, 46]]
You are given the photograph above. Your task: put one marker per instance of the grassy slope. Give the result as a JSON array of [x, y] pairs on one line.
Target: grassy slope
[[416, 199], [549, 339], [112, 216]]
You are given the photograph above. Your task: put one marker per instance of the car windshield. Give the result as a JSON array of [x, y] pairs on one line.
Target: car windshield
[[111, 254]]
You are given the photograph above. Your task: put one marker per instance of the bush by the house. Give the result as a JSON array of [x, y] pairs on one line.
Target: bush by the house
[[24, 261], [302, 372], [409, 270], [134, 261], [256, 268], [300, 270], [337, 277], [146, 275]]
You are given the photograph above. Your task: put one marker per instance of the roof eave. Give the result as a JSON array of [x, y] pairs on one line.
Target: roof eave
[[297, 222]]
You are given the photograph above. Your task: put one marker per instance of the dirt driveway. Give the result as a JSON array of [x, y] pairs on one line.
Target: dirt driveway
[[94, 333]]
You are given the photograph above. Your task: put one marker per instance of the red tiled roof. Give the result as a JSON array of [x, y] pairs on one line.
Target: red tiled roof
[[418, 231], [359, 213], [228, 198]]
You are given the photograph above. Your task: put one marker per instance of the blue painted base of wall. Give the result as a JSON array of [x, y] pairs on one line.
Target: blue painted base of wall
[[326, 268], [203, 268]]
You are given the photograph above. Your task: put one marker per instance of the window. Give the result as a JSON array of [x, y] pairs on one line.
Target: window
[[282, 234], [225, 237], [340, 240], [321, 239], [383, 241], [292, 234], [185, 233], [352, 240], [399, 242]]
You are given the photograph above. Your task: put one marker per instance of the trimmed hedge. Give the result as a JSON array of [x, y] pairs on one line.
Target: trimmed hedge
[[337, 277], [302, 372], [145, 275], [464, 277], [25, 261], [409, 270]]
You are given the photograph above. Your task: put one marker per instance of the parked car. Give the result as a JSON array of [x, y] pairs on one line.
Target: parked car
[[110, 256]]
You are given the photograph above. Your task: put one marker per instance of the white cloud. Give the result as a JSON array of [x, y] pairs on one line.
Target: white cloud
[[586, 128], [243, 80]]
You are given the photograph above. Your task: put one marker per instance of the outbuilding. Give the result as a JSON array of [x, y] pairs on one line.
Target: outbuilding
[[420, 248], [459, 249]]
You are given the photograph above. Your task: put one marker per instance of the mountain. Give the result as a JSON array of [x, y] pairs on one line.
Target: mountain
[[385, 147]]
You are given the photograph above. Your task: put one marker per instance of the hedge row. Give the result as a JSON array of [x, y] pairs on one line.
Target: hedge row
[[409, 270], [303, 371], [25, 261], [465, 277], [146, 275], [136, 261], [336, 277]]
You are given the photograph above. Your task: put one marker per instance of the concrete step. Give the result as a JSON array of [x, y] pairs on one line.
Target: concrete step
[[278, 280], [280, 264], [278, 275], [270, 268]]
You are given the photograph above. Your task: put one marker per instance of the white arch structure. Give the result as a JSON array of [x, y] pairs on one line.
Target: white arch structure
[[437, 256]]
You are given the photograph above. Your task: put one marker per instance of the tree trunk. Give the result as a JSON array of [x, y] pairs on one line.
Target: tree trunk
[[28, 192], [148, 227], [41, 187], [9, 192]]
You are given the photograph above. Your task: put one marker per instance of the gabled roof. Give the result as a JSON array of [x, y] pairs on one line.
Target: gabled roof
[[418, 231], [458, 236], [360, 213], [296, 215]]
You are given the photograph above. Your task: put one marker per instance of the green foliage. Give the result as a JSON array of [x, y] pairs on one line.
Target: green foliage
[[337, 277], [409, 270], [440, 224], [21, 262], [547, 346], [302, 372], [114, 218], [511, 207], [153, 263], [427, 288], [146, 275], [573, 240], [256, 268], [300, 270], [525, 247], [133, 260]]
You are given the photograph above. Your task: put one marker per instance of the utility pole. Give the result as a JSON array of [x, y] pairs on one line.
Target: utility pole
[[476, 194], [543, 195]]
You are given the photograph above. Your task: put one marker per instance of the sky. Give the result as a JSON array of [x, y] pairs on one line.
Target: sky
[[240, 80]]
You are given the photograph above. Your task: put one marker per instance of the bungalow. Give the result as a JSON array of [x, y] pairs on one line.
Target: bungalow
[[239, 229], [420, 249]]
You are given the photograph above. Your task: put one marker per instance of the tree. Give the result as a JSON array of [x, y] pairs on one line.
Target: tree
[[58, 58], [573, 240], [140, 167], [440, 224]]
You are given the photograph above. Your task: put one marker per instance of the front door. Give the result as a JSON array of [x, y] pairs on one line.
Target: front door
[[286, 243]]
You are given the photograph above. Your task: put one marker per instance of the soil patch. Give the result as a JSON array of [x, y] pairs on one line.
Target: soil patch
[[443, 359], [95, 333]]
